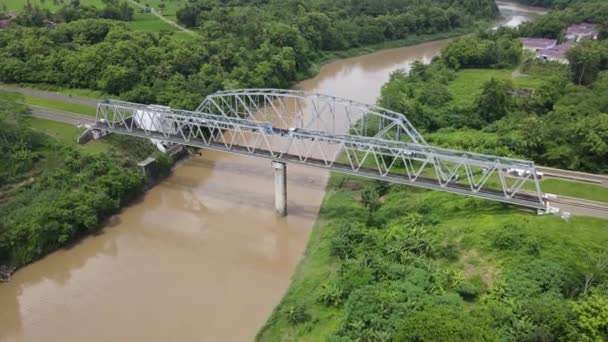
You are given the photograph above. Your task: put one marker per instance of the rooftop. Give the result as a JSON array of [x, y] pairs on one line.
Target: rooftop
[[538, 43], [559, 51], [581, 29]]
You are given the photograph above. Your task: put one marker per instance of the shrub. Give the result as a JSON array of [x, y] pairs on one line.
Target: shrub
[[345, 240], [469, 290], [511, 237], [297, 314], [449, 251], [332, 294], [441, 323]]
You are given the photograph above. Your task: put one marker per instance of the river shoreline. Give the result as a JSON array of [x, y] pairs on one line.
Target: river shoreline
[[6, 272], [334, 56]]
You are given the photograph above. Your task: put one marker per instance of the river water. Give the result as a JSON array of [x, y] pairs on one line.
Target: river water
[[202, 256]]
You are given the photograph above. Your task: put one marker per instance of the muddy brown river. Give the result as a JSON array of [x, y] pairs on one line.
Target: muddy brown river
[[202, 256]]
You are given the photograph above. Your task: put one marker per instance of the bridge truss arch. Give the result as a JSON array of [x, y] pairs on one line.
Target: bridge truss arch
[[312, 111]]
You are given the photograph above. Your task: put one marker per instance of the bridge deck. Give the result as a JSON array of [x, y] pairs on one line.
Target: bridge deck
[[520, 199]]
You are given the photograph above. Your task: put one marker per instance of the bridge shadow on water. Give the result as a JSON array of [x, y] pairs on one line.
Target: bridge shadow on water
[[248, 199], [301, 176]]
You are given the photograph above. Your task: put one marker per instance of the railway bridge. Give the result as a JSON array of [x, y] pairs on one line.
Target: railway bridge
[[326, 132]]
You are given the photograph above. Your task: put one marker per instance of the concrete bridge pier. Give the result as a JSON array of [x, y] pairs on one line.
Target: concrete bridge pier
[[280, 187]]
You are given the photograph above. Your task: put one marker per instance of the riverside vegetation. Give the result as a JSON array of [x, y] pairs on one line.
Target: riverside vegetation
[[393, 263], [240, 44], [51, 192]]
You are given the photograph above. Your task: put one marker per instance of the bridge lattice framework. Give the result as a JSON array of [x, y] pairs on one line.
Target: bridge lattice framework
[[326, 132]]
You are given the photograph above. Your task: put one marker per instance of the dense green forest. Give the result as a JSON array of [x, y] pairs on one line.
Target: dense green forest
[[241, 44], [562, 121], [555, 22], [35, 16], [51, 193], [333, 25]]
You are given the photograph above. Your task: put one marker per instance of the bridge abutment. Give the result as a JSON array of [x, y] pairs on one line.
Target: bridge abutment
[[280, 187]]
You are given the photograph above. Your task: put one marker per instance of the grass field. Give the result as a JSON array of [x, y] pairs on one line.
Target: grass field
[[144, 22], [66, 134], [171, 7], [575, 189], [149, 23], [467, 84], [88, 93], [60, 105]]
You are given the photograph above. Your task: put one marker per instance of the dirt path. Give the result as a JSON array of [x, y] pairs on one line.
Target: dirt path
[[161, 17]]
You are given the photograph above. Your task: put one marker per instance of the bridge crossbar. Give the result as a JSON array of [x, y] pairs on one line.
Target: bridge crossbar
[[322, 111], [496, 178]]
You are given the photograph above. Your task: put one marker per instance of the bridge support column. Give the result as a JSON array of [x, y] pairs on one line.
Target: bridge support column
[[280, 187]]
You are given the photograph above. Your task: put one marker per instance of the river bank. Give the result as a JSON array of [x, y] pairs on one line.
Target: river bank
[[333, 56], [107, 173]]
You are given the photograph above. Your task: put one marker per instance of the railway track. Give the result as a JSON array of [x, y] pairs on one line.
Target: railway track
[[574, 175]]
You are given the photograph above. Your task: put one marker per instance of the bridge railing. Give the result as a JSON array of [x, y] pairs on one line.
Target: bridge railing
[[498, 178]]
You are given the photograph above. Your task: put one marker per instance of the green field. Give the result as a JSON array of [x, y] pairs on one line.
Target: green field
[[144, 22], [87, 93], [67, 134], [575, 189], [60, 105], [171, 7], [149, 23], [467, 84]]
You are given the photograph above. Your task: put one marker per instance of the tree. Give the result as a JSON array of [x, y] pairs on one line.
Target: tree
[[117, 79], [591, 323], [32, 15], [596, 268], [585, 59], [495, 100], [188, 15], [371, 200]]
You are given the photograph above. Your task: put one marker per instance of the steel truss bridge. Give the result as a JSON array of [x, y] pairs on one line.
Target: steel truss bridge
[[327, 132]]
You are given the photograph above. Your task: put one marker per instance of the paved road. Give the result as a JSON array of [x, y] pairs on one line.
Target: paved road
[[49, 95], [60, 116], [575, 175], [580, 206]]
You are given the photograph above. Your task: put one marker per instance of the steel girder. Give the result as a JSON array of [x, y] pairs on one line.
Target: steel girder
[[491, 177], [299, 109]]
